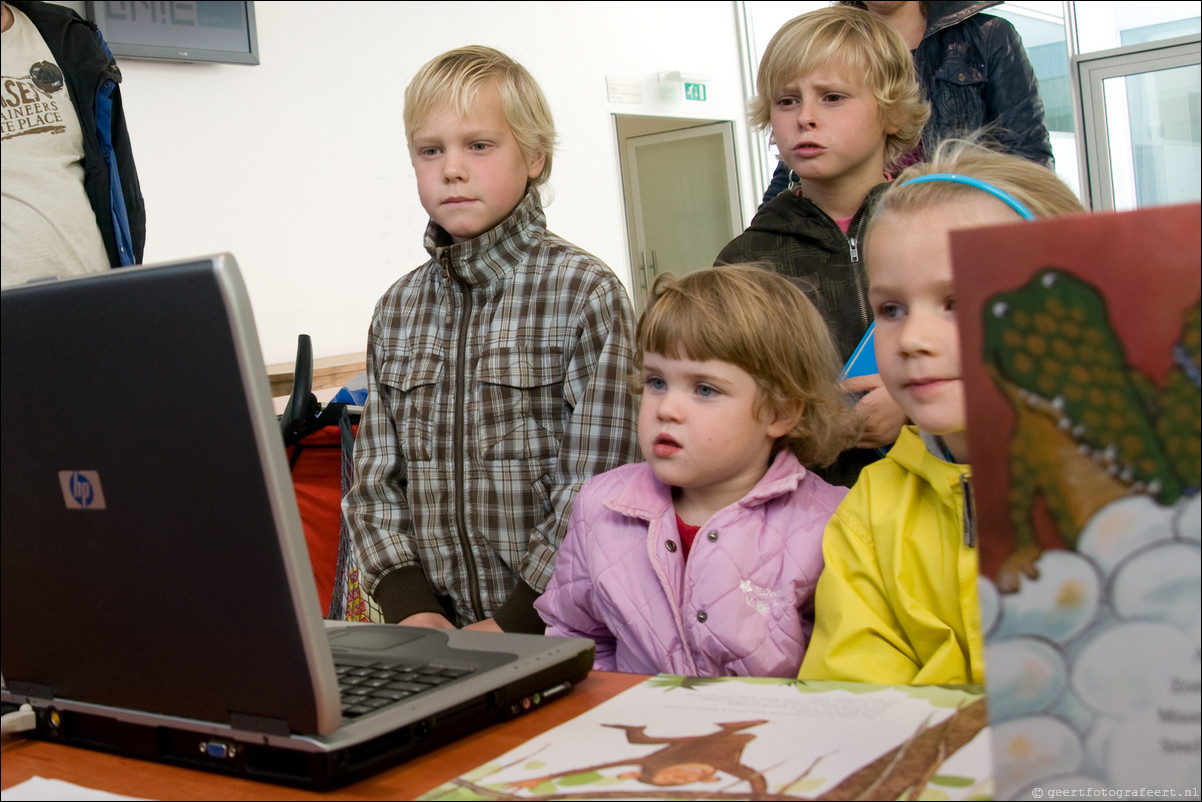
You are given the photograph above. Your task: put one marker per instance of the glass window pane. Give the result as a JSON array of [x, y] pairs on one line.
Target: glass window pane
[[1152, 121], [1104, 25]]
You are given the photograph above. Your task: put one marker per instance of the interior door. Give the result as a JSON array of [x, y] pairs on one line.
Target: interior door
[[685, 195]]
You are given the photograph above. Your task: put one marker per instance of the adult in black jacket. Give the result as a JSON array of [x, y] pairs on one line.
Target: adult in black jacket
[[93, 80], [974, 72]]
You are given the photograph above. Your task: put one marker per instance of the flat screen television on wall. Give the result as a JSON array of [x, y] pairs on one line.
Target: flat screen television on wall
[[198, 31]]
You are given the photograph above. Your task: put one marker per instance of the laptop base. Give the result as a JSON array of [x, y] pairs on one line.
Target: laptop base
[[242, 754]]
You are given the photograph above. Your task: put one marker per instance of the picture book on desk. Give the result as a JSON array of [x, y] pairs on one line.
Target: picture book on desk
[[673, 737], [1080, 343]]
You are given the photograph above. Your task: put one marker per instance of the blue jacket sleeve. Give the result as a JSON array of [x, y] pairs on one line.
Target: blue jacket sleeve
[[779, 182]]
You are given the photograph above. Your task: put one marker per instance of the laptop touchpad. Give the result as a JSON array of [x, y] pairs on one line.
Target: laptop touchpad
[[372, 638]]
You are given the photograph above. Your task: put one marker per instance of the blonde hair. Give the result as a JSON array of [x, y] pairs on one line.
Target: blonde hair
[[1033, 185], [858, 42], [456, 78], [757, 319]]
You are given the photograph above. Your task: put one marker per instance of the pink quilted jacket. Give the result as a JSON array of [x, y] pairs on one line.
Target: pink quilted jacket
[[743, 604]]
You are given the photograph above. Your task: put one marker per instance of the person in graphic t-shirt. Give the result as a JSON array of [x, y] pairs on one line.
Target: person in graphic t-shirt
[[72, 203]]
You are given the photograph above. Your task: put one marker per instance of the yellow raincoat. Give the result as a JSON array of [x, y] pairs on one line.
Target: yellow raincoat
[[897, 601]]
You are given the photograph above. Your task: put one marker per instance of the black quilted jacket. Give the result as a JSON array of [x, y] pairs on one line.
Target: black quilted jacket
[[975, 72]]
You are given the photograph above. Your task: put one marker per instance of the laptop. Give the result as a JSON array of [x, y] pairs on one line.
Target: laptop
[[158, 600]]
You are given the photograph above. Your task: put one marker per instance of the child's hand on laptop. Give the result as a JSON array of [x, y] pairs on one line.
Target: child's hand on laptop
[[883, 418], [487, 625], [428, 620]]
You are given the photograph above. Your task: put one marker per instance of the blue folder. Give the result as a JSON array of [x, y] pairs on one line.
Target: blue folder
[[863, 360]]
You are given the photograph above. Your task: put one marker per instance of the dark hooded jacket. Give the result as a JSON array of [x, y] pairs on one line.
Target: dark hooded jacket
[[796, 238]]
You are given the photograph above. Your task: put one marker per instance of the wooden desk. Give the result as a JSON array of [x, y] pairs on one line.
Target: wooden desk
[[24, 758]]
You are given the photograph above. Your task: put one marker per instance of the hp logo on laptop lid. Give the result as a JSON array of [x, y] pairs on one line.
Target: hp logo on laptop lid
[[81, 490]]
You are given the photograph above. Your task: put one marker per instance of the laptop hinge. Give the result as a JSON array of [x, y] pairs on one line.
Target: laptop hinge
[[30, 691], [260, 724]]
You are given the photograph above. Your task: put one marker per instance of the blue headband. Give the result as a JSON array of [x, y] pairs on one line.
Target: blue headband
[[1005, 197]]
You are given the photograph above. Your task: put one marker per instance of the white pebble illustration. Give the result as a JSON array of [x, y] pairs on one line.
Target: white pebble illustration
[[1129, 761], [1162, 583], [1122, 527], [1027, 675], [1094, 672], [1187, 523], [1128, 667], [990, 604], [1029, 750], [1062, 785], [1057, 605]]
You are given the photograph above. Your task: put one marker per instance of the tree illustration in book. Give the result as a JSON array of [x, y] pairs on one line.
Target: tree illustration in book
[[684, 759], [1080, 342], [674, 737]]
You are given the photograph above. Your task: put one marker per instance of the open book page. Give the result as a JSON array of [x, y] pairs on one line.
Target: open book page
[[742, 738]]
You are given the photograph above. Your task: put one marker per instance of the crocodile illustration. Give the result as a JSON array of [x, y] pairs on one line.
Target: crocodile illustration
[[1089, 428], [1179, 422]]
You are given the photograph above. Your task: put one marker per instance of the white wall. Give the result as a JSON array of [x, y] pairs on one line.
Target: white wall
[[298, 166]]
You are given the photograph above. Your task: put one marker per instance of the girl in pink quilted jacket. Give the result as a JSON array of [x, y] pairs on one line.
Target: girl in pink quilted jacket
[[703, 559]]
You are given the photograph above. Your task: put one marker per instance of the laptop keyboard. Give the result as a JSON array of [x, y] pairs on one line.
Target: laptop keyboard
[[365, 688]]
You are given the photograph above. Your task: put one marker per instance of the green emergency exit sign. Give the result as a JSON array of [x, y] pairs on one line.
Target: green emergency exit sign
[[694, 91]]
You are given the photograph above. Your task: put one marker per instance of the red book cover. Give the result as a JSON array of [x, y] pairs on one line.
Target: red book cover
[[1080, 342]]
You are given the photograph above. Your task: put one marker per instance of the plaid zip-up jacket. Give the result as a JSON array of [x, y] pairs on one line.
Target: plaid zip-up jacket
[[496, 386]]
